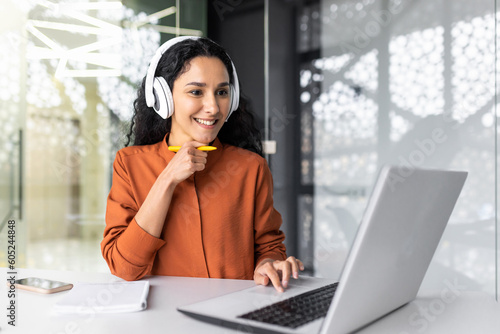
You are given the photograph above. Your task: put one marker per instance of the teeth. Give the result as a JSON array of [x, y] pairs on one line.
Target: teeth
[[201, 121]]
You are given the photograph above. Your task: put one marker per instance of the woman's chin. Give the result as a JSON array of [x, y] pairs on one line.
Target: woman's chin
[[206, 139]]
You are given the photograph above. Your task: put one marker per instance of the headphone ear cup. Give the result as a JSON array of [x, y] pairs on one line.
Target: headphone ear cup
[[232, 105], [164, 104]]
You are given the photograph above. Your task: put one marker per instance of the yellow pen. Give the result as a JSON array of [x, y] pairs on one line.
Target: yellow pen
[[201, 148]]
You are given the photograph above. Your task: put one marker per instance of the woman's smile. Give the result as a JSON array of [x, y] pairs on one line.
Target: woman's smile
[[205, 123]]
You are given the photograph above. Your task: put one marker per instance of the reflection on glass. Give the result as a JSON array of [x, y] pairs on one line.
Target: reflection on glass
[[412, 84], [68, 78]]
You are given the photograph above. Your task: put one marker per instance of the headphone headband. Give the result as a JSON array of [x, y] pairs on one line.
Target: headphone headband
[[158, 93]]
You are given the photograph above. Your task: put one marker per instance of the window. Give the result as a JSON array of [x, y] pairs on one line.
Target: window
[[376, 79], [69, 72]]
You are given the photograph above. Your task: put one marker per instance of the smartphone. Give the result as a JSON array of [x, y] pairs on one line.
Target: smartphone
[[41, 285]]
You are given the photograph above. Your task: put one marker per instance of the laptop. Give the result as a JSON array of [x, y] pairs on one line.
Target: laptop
[[401, 227]]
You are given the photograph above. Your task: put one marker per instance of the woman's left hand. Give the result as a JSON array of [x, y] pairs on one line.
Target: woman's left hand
[[270, 270]]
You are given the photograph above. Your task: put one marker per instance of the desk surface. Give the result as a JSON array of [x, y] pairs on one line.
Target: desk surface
[[449, 311]]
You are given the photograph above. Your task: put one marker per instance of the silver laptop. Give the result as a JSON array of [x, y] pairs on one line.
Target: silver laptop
[[403, 222]]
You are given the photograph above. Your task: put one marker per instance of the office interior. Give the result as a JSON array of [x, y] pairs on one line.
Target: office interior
[[340, 87]]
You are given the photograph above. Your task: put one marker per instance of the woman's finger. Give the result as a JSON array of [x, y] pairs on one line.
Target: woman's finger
[[268, 270], [274, 277], [294, 265], [285, 267], [260, 279], [301, 265]]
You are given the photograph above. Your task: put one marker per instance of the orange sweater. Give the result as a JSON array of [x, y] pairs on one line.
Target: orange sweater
[[221, 221]]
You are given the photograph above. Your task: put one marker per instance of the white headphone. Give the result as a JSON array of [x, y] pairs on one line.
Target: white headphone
[[159, 95]]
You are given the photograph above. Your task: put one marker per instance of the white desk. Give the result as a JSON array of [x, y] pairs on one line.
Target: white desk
[[468, 312]]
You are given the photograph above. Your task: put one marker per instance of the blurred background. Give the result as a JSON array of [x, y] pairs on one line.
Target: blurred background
[[340, 87]]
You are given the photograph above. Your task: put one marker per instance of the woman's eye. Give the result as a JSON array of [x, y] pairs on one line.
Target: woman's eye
[[196, 92], [223, 92]]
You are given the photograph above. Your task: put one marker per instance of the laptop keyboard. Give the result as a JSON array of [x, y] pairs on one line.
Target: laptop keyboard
[[296, 311]]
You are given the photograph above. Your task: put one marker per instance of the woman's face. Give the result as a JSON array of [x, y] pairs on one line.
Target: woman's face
[[201, 101]]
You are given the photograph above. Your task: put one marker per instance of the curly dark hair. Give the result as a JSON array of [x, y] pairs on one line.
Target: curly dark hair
[[147, 127]]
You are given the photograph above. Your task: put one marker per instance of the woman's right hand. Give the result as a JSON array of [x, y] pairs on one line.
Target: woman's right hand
[[185, 162], [151, 215]]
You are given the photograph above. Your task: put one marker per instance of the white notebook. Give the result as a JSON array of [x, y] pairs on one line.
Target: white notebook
[[92, 298]]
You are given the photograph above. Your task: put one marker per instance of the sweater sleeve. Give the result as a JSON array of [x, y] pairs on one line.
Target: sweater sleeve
[[268, 236], [126, 247]]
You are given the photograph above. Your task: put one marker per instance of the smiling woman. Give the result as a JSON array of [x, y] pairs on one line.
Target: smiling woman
[[194, 213]]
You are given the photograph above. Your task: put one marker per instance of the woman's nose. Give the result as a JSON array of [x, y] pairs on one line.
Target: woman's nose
[[210, 105]]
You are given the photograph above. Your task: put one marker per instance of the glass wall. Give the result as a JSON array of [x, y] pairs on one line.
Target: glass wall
[[409, 83], [69, 71]]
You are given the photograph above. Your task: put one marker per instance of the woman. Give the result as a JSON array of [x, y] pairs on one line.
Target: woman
[[194, 213]]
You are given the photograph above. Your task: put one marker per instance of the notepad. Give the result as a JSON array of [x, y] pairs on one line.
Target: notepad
[[92, 298]]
